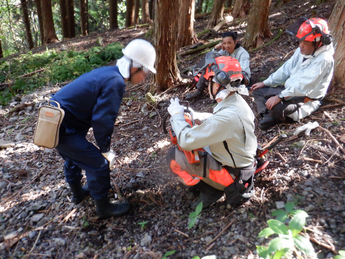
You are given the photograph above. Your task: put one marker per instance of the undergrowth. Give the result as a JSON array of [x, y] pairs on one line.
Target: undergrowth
[[51, 67]]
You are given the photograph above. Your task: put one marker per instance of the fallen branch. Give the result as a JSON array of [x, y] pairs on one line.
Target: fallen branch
[[332, 248], [209, 45], [311, 160], [268, 43], [220, 233], [333, 138], [32, 73], [178, 231]]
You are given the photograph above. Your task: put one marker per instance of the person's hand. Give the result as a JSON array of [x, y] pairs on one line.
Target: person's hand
[[272, 101], [175, 107], [257, 86], [219, 46], [110, 156]]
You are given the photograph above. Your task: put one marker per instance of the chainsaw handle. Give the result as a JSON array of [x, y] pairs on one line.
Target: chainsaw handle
[[273, 144]]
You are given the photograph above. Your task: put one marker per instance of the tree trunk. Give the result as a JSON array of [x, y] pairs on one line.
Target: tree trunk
[[136, 12], [27, 24], [199, 6], [1, 54], [228, 3], [48, 24], [84, 19], [241, 9], [113, 14], [70, 18], [186, 33], [64, 22], [152, 9], [206, 6], [336, 24], [130, 13], [216, 13], [257, 28], [40, 19], [145, 11], [165, 37]]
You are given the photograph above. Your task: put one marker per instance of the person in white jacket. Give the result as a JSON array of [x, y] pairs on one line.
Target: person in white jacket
[[227, 161], [306, 77], [229, 46]]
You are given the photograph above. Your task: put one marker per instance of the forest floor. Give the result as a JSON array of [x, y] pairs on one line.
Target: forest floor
[[38, 220]]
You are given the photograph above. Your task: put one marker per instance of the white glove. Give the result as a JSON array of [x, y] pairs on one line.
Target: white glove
[[307, 128], [110, 156], [175, 107]]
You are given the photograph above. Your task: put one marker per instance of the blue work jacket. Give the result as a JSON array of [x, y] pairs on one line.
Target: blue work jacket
[[93, 100]]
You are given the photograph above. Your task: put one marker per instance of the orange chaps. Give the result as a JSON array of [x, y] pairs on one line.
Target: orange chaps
[[208, 170]]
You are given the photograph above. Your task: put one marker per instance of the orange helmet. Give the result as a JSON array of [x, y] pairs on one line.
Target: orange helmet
[[312, 30], [229, 70]]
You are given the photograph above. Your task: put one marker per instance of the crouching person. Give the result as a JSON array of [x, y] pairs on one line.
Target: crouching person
[[227, 163]]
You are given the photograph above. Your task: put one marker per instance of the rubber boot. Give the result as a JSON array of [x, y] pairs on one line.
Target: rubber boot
[[79, 192], [192, 95], [208, 195], [267, 122], [105, 209]]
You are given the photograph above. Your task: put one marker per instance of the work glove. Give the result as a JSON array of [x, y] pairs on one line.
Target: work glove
[[175, 107], [110, 156], [307, 128]]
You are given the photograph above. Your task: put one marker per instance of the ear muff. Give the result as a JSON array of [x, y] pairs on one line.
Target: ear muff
[[326, 39], [222, 78]]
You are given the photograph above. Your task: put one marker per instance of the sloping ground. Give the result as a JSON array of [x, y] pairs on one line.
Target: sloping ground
[[39, 221]]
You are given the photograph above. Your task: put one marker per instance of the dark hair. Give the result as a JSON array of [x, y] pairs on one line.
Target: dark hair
[[233, 35]]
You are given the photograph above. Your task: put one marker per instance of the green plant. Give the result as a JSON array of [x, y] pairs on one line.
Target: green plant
[[289, 238], [142, 224], [193, 216], [165, 256], [341, 255], [85, 222]]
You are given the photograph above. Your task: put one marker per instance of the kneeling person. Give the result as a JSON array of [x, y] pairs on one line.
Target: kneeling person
[[227, 163]]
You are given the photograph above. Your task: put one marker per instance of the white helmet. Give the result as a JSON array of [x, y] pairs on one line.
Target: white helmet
[[142, 52]]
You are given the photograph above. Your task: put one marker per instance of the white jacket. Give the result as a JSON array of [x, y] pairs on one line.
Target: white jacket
[[242, 56], [232, 121], [310, 77]]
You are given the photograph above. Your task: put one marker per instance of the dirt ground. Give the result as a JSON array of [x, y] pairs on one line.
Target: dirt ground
[[38, 220]]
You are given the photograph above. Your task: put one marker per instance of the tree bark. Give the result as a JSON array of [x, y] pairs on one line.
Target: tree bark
[[1, 54], [84, 19], [216, 13], [64, 22], [336, 24], [145, 11], [70, 18], [113, 14], [241, 9], [136, 12], [48, 23], [257, 28], [166, 43], [40, 19], [199, 6], [27, 24], [130, 13], [186, 33]]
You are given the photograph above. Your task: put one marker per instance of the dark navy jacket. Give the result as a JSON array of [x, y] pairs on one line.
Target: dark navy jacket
[[93, 100]]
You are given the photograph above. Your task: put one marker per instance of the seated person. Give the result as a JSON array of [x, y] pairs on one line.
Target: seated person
[[306, 77], [227, 160], [228, 47]]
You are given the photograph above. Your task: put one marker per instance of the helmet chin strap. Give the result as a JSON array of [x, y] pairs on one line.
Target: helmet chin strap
[[136, 72]]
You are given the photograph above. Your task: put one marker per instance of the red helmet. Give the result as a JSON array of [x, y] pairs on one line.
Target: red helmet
[[312, 30], [230, 66]]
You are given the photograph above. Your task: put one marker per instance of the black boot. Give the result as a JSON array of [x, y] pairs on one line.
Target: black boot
[[105, 209], [208, 195], [267, 122], [79, 192], [193, 94]]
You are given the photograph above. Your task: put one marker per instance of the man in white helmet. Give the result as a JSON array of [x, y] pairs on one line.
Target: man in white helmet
[[93, 100]]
